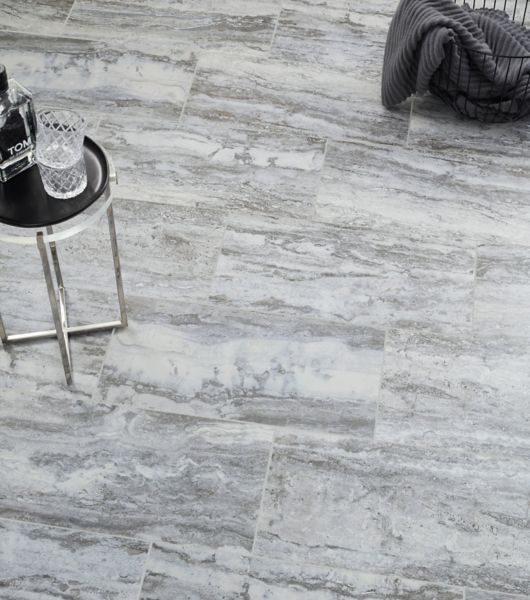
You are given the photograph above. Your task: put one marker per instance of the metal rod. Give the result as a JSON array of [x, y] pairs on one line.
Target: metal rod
[[51, 333], [62, 335], [3, 334], [117, 266], [55, 259]]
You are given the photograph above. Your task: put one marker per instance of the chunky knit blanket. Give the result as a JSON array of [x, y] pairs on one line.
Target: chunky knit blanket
[[462, 55]]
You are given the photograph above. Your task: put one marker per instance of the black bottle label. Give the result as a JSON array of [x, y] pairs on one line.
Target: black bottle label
[[14, 139]]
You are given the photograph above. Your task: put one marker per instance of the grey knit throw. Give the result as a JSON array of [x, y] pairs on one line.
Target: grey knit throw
[[447, 48]]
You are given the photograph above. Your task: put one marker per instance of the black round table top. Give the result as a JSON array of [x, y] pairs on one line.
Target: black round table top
[[25, 203]]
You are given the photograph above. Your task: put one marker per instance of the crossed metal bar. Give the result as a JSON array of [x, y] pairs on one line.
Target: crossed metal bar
[[57, 300]]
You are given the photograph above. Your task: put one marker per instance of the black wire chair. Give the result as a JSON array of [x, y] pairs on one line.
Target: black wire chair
[[502, 96]]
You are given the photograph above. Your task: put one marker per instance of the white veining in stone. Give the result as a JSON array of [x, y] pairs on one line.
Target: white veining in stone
[[269, 92], [431, 514], [43, 562], [351, 275], [301, 374], [450, 389], [204, 24], [154, 476]]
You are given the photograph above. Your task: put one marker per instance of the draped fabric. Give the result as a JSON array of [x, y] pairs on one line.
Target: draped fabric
[[474, 59]]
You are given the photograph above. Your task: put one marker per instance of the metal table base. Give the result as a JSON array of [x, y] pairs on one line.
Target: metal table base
[[57, 299]]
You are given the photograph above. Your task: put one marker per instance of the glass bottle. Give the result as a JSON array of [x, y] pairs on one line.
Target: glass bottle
[[17, 128]]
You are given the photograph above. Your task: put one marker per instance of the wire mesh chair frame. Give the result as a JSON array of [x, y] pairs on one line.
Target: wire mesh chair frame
[[504, 103]]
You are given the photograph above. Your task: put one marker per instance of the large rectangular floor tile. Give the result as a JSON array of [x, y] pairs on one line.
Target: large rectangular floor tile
[[100, 77], [275, 172], [355, 275], [483, 595], [249, 367], [502, 288], [260, 93], [205, 573], [273, 579], [202, 23], [34, 14], [436, 125], [332, 37], [166, 252], [195, 572], [464, 197], [436, 515], [451, 390], [27, 369], [143, 474], [43, 562]]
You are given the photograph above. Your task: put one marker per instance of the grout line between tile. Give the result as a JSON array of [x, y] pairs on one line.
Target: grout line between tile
[[144, 573], [98, 123], [275, 28], [69, 15], [322, 565], [474, 290], [217, 260], [181, 116], [263, 491], [382, 373], [99, 534], [107, 349], [411, 112], [318, 187]]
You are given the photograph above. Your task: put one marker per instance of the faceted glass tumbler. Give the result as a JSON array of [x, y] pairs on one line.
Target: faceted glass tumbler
[[60, 137]]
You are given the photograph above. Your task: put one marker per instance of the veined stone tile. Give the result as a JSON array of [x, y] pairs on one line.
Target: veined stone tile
[[24, 307], [204, 23], [35, 368], [502, 287], [34, 14], [148, 475], [249, 367], [258, 93], [165, 251], [24, 302], [312, 5], [441, 515], [483, 595], [100, 77], [276, 172], [43, 562], [452, 390], [434, 124], [355, 276], [439, 193], [278, 580], [197, 572], [332, 38]]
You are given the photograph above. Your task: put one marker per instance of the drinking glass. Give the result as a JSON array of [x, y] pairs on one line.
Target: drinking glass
[[60, 136]]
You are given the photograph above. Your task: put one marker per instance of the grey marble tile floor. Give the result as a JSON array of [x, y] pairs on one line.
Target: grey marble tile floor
[[322, 393]]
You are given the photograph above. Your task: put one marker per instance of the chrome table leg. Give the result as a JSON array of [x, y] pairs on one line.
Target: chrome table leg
[[57, 308], [3, 334], [117, 266], [57, 301], [59, 279]]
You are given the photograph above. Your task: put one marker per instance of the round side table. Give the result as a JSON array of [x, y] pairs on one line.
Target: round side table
[[29, 216]]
